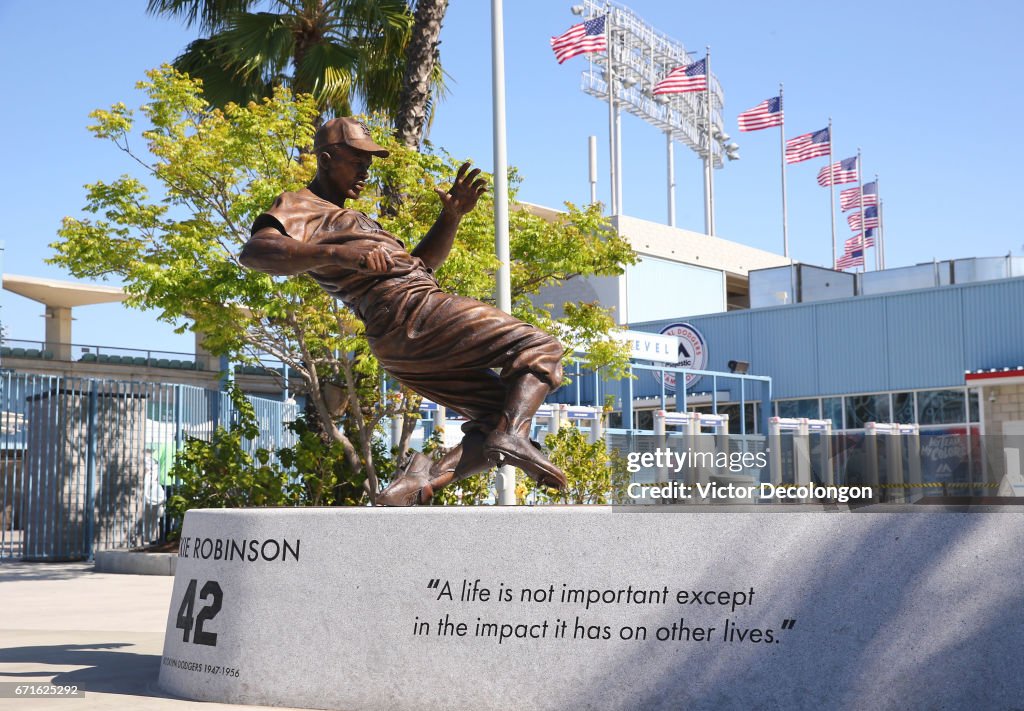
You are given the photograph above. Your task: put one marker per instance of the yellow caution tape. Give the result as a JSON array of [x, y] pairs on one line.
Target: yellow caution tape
[[940, 485]]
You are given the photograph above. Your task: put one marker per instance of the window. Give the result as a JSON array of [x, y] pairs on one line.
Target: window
[[799, 408], [832, 409], [903, 408], [643, 419], [866, 408], [940, 407]]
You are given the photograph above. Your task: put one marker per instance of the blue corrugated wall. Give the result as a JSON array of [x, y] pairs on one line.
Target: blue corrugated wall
[[900, 341]]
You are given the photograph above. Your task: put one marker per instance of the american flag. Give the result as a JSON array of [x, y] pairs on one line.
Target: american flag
[[844, 171], [807, 146], [870, 218], [681, 80], [854, 258], [579, 39], [766, 114], [848, 198], [855, 241]]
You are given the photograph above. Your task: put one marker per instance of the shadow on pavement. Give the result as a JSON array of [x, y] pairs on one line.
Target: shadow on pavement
[[18, 571], [104, 668]]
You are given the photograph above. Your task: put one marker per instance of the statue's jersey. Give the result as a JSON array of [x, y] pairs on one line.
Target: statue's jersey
[[444, 347], [305, 217]]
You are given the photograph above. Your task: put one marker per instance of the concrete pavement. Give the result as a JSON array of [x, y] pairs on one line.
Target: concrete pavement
[[65, 624]]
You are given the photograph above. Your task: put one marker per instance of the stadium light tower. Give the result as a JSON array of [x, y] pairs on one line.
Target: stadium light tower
[[638, 57]]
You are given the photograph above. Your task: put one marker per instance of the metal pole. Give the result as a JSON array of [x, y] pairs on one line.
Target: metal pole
[[555, 421], [661, 437], [618, 159], [881, 221], [609, 76], [707, 195], [90, 469], [597, 428], [878, 239], [178, 441], [592, 154], [440, 420], [396, 434], [707, 176], [506, 483], [782, 154], [671, 180], [863, 225], [832, 193], [709, 220], [775, 450]]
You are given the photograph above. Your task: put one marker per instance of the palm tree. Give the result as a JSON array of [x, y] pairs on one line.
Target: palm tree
[[337, 50], [421, 67]]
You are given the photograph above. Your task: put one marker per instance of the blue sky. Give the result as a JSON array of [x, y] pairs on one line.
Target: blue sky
[[928, 92]]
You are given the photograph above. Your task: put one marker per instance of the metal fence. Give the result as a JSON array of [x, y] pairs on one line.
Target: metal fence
[[85, 464]]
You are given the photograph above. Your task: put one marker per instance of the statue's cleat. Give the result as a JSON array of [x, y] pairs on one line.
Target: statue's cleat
[[411, 487], [526, 454]]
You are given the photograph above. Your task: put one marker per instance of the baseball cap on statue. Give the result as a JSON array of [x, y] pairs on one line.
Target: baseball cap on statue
[[350, 132]]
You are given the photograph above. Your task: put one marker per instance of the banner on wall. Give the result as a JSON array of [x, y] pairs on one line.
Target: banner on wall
[[692, 353], [655, 347]]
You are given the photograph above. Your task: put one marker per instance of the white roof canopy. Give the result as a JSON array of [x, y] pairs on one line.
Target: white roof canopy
[[61, 294]]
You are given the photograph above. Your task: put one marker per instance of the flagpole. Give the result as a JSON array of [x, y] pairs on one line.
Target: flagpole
[[782, 155], [880, 248], [671, 181], [863, 225], [506, 480], [610, 78], [832, 193], [709, 169], [618, 159]]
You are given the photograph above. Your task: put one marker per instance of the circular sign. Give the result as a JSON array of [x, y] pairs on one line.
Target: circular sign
[[693, 354]]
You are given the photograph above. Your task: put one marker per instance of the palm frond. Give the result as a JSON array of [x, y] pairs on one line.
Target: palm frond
[[222, 83], [368, 18], [379, 82], [259, 43], [338, 50], [209, 15], [438, 90], [327, 71]]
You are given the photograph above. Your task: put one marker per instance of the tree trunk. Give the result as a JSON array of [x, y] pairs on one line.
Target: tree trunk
[[420, 55]]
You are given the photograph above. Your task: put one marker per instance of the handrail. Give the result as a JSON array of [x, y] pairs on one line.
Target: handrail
[[84, 348]]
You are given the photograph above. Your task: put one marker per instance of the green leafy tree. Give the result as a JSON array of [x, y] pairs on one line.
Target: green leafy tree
[[338, 51], [321, 467], [215, 170]]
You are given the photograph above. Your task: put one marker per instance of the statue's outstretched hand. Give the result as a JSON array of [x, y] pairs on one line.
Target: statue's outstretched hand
[[461, 198]]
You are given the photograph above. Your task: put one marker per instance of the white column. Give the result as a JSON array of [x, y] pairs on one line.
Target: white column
[[58, 331], [671, 180], [618, 161], [609, 77], [506, 483], [592, 156]]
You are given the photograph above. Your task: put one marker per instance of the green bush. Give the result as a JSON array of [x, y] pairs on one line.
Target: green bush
[[220, 473], [595, 475]]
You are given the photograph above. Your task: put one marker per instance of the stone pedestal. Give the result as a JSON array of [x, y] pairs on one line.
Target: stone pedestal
[[595, 608]]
